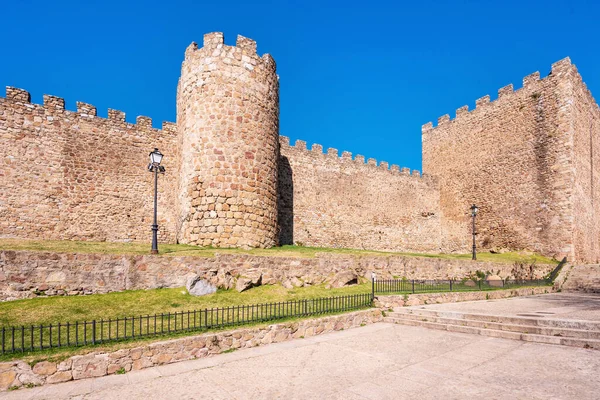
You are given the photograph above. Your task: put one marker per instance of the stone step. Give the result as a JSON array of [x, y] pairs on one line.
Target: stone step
[[540, 321], [584, 278], [519, 328], [574, 342]]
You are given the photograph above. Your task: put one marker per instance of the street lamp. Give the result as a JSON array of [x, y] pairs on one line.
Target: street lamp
[[474, 210], [154, 166]]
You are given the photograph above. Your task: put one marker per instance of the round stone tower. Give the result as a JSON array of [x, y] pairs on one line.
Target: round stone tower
[[228, 126]]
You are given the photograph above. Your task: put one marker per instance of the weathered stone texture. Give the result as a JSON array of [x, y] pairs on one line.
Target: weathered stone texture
[[23, 273], [387, 302], [528, 159], [73, 175], [331, 201], [522, 159], [228, 121], [585, 158]]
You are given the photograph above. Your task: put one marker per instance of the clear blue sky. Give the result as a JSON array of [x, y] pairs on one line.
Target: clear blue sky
[[357, 76]]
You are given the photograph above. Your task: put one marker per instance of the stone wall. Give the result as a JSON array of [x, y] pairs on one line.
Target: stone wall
[[511, 157], [586, 166], [25, 273], [73, 175], [388, 302], [330, 201], [228, 122], [529, 160], [14, 374]]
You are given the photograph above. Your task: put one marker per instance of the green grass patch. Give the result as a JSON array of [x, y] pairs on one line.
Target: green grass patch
[[67, 246], [46, 310], [58, 354]]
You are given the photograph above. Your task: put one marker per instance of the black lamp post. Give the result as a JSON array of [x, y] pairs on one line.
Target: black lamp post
[[474, 210], [154, 166]]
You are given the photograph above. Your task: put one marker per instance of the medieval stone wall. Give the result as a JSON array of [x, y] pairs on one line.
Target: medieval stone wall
[[73, 175], [586, 166], [228, 121], [511, 157], [529, 159], [332, 201]]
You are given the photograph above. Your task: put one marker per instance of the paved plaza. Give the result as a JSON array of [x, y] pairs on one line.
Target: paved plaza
[[380, 361], [570, 306]]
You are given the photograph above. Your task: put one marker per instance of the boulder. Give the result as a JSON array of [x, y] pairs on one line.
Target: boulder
[[247, 282], [296, 282], [287, 284], [60, 376], [44, 368], [470, 283], [495, 281], [224, 279], [343, 278], [197, 286], [7, 379], [243, 284]]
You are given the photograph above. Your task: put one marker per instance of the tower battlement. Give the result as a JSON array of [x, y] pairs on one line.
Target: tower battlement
[[530, 82]]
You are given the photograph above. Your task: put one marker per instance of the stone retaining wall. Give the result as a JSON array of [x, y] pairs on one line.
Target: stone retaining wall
[[26, 274], [386, 302], [20, 373]]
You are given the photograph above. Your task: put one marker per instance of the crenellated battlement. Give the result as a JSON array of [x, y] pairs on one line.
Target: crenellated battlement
[[346, 156], [56, 105], [525, 155], [244, 51], [530, 82]]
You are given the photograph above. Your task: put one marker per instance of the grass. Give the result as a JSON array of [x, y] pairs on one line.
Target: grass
[[58, 354], [67, 246], [46, 310], [147, 302]]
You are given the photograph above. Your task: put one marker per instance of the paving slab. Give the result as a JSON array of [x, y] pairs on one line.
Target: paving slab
[[579, 306], [380, 361]]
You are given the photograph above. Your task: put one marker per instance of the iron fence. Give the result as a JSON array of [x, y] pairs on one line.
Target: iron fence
[[429, 286], [16, 339]]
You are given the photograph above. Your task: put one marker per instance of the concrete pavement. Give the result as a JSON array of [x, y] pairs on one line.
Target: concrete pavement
[[381, 361]]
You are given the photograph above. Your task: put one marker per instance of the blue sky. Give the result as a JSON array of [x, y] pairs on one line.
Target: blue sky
[[357, 76]]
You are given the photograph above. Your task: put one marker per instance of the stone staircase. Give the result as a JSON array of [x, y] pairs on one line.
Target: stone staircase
[[531, 327], [583, 278]]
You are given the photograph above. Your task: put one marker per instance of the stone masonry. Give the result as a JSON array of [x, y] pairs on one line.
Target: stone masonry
[[26, 274], [228, 121], [529, 159]]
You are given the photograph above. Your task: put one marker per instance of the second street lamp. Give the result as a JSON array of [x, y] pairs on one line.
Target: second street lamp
[[154, 166], [474, 210]]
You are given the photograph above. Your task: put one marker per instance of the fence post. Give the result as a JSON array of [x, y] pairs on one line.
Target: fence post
[[94, 331], [372, 287], [413, 286], [450, 284]]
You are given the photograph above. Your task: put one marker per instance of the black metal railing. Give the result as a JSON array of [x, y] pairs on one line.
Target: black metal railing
[[430, 286], [16, 339], [556, 271]]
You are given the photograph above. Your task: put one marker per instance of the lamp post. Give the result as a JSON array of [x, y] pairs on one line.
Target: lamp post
[[474, 210], [154, 166]]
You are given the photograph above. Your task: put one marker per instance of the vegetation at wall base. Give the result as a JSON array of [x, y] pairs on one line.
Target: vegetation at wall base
[[136, 248], [34, 338]]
